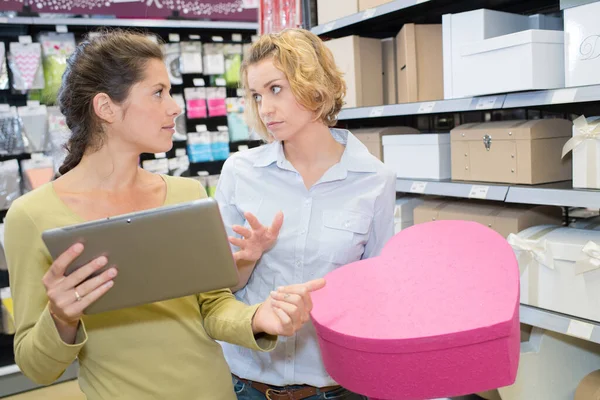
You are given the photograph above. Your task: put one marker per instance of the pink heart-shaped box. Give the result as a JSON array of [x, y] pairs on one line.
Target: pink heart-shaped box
[[435, 315]]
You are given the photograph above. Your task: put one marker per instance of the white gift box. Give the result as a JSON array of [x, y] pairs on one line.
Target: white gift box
[[422, 156], [585, 145], [560, 269], [582, 45]]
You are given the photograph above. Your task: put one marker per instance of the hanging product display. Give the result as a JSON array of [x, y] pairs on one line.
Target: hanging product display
[[58, 136], [214, 59], [10, 183], [37, 171], [56, 50], [191, 57], [199, 148], [195, 99], [4, 84], [35, 127], [233, 63], [216, 102], [25, 61], [172, 53], [238, 129], [180, 121], [219, 143], [11, 132]]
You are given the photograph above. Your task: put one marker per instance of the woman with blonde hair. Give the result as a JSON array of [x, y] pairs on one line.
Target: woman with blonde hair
[[338, 201]]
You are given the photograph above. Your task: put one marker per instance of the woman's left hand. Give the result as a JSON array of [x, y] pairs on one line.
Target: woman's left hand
[[286, 310]]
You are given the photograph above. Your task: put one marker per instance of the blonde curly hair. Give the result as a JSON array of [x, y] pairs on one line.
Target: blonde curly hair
[[315, 80]]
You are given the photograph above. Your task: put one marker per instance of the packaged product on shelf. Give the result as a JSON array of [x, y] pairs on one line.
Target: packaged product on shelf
[[560, 269], [503, 218], [539, 376], [214, 59], [421, 156], [58, 134], [589, 387], [191, 57], [213, 181], [172, 53], [592, 223], [372, 137], [220, 143], [216, 101], [179, 165], [582, 44], [25, 61], [202, 177], [35, 127], [199, 147], [330, 10], [390, 87], [7, 312], [585, 145], [10, 183], [11, 132], [56, 49], [404, 211], [180, 121], [4, 82], [419, 63], [37, 171], [233, 63], [361, 61], [195, 99], [520, 152], [238, 129], [156, 165]]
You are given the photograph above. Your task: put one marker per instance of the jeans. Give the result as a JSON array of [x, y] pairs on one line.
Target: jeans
[[246, 392]]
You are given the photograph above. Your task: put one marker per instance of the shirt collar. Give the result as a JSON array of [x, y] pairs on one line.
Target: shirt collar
[[356, 156]]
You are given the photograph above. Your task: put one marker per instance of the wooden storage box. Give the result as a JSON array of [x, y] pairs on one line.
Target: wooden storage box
[[518, 152], [503, 218]]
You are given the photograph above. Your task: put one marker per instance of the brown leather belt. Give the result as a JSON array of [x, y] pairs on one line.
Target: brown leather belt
[[286, 393]]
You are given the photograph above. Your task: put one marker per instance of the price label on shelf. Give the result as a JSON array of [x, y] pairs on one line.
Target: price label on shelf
[[38, 156], [370, 13], [236, 37], [25, 39], [426, 108], [221, 82], [201, 128], [180, 152], [479, 192], [62, 29], [160, 155], [580, 329], [563, 96], [418, 187], [217, 38], [199, 82], [33, 103], [485, 103], [174, 37], [329, 27], [376, 112], [240, 92], [194, 37]]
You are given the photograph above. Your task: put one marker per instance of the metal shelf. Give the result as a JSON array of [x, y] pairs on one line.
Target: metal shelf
[[12, 381], [387, 19], [537, 98], [560, 323], [137, 23], [554, 194], [467, 190]]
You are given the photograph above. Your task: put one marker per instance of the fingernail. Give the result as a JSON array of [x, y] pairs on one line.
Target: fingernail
[[112, 272], [280, 288], [273, 293], [102, 261], [78, 248], [108, 284]]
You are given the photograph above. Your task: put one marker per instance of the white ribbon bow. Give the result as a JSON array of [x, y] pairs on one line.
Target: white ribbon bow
[[590, 260], [586, 132], [529, 250]]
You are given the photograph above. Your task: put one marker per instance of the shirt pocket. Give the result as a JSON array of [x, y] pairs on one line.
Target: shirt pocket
[[343, 235]]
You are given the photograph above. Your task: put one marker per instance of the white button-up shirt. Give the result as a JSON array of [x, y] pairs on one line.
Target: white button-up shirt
[[348, 215]]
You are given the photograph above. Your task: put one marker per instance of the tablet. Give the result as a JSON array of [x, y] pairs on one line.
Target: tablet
[[164, 253]]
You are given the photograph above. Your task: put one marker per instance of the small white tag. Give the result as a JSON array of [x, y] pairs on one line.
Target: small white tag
[[62, 29], [217, 38], [329, 27], [160, 155], [369, 13], [201, 128], [426, 107], [418, 187], [194, 37], [199, 82], [180, 152], [236, 37], [222, 128], [221, 82], [485, 103], [242, 147], [580, 329], [33, 103], [240, 92], [376, 112], [562, 96], [37, 156], [174, 37], [479, 192], [25, 39], [4, 107]]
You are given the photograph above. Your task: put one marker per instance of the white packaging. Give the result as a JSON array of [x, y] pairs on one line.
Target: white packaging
[[582, 45], [422, 156], [585, 145], [560, 269], [404, 211]]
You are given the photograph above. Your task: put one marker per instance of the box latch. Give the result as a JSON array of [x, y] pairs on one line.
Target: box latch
[[487, 142]]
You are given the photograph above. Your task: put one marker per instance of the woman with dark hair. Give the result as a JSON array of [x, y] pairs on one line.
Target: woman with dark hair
[[115, 97]]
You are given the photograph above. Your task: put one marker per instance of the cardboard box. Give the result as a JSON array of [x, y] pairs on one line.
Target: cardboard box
[[419, 63], [366, 4], [589, 387], [503, 218], [519, 152], [543, 359], [423, 156], [390, 85], [582, 47], [330, 10], [585, 146], [371, 137], [560, 269], [404, 211], [361, 61]]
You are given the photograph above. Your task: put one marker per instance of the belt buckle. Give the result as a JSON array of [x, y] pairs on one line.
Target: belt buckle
[[278, 393]]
